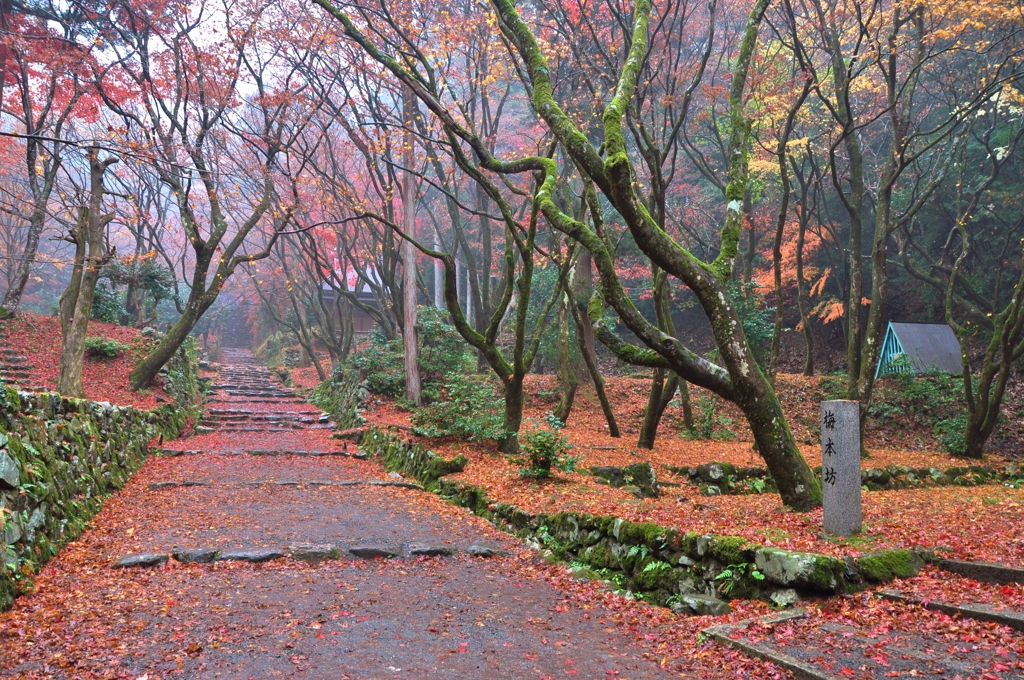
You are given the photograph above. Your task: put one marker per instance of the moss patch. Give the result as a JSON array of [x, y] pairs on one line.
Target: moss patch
[[885, 565]]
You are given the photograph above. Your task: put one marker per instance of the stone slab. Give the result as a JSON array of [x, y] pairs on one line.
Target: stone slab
[[142, 560], [970, 610], [431, 550], [987, 572], [483, 550], [370, 552], [314, 554], [195, 555], [254, 556], [725, 634]]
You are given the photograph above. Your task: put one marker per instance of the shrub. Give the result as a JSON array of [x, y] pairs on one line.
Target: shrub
[[466, 406], [707, 423], [382, 365], [442, 351], [546, 447], [953, 434], [104, 348], [106, 304]]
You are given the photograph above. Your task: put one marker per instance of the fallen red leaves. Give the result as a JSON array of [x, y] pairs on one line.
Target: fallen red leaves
[[38, 338], [981, 523]]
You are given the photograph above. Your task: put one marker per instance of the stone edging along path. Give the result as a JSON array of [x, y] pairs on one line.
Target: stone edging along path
[[303, 552], [687, 571]]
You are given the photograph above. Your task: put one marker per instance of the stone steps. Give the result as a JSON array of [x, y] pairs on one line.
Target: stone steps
[[242, 382]]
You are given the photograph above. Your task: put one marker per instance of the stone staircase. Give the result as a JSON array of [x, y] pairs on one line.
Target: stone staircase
[[16, 371], [249, 397]]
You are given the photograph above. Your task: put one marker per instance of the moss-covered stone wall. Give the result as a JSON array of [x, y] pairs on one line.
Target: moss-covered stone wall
[[660, 564], [341, 396], [59, 457]]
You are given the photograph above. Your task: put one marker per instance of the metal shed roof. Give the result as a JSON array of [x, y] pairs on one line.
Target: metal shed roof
[[929, 347]]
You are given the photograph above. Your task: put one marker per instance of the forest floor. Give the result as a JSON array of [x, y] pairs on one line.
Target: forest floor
[[460, 616], [36, 341], [979, 522]]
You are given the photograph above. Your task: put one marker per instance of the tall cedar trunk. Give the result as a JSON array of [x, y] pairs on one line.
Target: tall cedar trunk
[[579, 294], [438, 281], [484, 317], [802, 298], [412, 369], [78, 308], [566, 368]]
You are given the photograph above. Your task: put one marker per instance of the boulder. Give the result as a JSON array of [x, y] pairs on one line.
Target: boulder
[[883, 566], [638, 478], [784, 597]]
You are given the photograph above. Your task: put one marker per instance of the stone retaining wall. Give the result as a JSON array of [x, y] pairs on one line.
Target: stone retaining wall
[[340, 396], [724, 478], [663, 565], [59, 457]]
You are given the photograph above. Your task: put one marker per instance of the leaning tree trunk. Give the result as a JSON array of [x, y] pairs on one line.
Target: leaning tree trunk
[[655, 406], [12, 299], [653, 410], [143, 374]]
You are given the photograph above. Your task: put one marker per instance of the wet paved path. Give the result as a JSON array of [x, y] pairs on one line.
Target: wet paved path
[[455, 616]]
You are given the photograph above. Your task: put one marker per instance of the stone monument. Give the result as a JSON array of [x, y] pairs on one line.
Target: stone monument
[[840, 467]]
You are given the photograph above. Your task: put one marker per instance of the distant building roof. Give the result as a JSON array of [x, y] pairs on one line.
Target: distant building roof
[[928, 348]]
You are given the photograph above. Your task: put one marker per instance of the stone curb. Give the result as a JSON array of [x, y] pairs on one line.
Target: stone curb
[[302, 553], [987, 572], [158, 486], [173, 453], [798, 668], [979, 612]]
